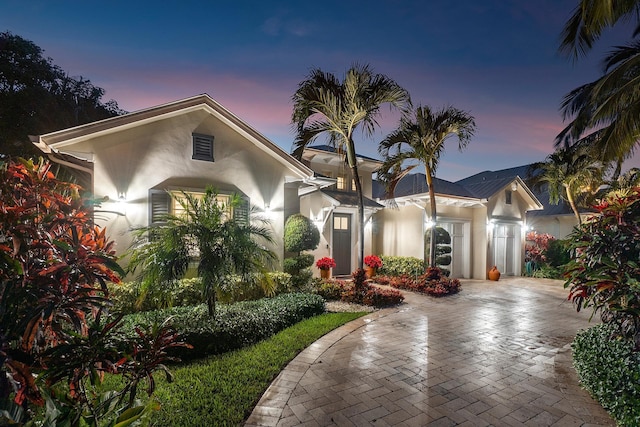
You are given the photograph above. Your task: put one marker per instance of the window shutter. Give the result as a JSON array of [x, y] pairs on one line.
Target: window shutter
[[202, 147], [159, 206], [241, 211]]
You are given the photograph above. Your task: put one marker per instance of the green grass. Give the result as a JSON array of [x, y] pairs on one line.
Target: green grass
[[222, 390]]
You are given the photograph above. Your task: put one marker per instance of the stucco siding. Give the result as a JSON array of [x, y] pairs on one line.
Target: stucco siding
[[158, 155]]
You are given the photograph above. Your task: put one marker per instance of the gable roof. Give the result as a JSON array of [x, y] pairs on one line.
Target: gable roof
[[488, 180], [416, 183], [63, 140]]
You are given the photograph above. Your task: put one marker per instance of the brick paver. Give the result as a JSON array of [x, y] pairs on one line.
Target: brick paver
[[497, 354]]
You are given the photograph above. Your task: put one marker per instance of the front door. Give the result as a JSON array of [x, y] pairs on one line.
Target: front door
[[342, 244]]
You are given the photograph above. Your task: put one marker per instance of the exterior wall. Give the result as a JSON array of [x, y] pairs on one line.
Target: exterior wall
[[158, 155], [558, 226], [320, 210], [513, 216], [400, 232]]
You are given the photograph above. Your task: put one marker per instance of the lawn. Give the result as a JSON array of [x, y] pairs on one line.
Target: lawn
[[222, 390]]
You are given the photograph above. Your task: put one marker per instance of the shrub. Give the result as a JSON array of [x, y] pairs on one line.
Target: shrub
[[234, 326], [300, 234], [605, 274], [609, 369], [359, 291], [557, 253], [330, 290], [434, 282], [57, 338], [399, 265], [378, 298]]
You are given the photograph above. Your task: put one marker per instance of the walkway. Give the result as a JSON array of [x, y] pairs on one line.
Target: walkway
[[496, 354]]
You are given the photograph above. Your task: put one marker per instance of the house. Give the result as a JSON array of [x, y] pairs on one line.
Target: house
[[557, 220], [334, 208], [485, 218], [132, 162]]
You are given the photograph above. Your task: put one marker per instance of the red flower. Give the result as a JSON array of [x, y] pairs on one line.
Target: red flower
[[325, 263], [373, 261]]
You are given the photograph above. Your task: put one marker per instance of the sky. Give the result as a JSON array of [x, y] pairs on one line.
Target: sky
[[497, 60]]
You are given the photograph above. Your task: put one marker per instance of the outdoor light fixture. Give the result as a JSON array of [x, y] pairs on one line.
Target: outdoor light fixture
[[514, 186], [122, 196]]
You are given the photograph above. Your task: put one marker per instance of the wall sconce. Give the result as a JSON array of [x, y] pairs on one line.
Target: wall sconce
[[490, 224], [514, 186], [428, 223], [122, 196]]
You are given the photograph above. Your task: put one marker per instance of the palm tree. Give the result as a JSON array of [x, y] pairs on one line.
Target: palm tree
[[570, 174], [603, 113], [325, 105], [589, 19], [203, 232], [419, 140]]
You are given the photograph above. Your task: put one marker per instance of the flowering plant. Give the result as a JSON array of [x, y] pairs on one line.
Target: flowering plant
[[325, 263], [373, 261]]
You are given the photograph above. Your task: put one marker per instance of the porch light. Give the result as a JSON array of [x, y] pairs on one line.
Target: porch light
[[514, 186], [122, 197], [428, 224]]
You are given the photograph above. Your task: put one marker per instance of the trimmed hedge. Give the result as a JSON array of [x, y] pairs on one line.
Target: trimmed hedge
[[610, 371], [235, 325], [188, 292], [401, 265]]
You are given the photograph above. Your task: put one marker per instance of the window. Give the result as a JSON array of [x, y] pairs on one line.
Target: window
[[340, 223], [340, 185], [202, 147], [163, 203], [178, 196], [507, 197], [353, 184]]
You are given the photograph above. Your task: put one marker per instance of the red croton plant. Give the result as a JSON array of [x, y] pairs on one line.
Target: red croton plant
[[54, 322]]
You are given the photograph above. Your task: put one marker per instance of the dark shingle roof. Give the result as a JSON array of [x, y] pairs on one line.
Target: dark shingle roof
[[487, 181], [416, 183]]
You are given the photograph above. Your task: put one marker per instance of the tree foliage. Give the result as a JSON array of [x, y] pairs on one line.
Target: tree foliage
[[419, 141], [603, 114], [54, 322], [570, 174], [324, 105], [300, 234], [37, 97], [205, 234], [605, 272]]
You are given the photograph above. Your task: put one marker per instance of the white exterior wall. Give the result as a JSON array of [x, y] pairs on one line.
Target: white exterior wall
[[400, 232], [158, 155]]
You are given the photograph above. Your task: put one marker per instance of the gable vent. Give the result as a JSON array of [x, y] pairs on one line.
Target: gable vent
[[202, 147]]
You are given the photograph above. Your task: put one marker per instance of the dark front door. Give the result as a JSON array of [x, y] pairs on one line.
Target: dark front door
[[342, 244]]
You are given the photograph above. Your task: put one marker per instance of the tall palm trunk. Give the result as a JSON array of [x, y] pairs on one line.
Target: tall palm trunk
[[356, 177], [572, 203], [432, 231], [353, 165]]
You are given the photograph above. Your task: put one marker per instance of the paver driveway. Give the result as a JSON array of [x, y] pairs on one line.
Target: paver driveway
[[496, 354]]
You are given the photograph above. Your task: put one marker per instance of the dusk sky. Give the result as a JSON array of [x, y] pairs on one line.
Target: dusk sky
[[496, 59]]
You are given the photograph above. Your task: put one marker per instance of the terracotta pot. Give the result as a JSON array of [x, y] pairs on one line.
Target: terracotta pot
[[325, 274], [494, 273], [370, 272]]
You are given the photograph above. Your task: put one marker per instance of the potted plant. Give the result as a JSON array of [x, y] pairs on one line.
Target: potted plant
[[373, 263], [325, 264]]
